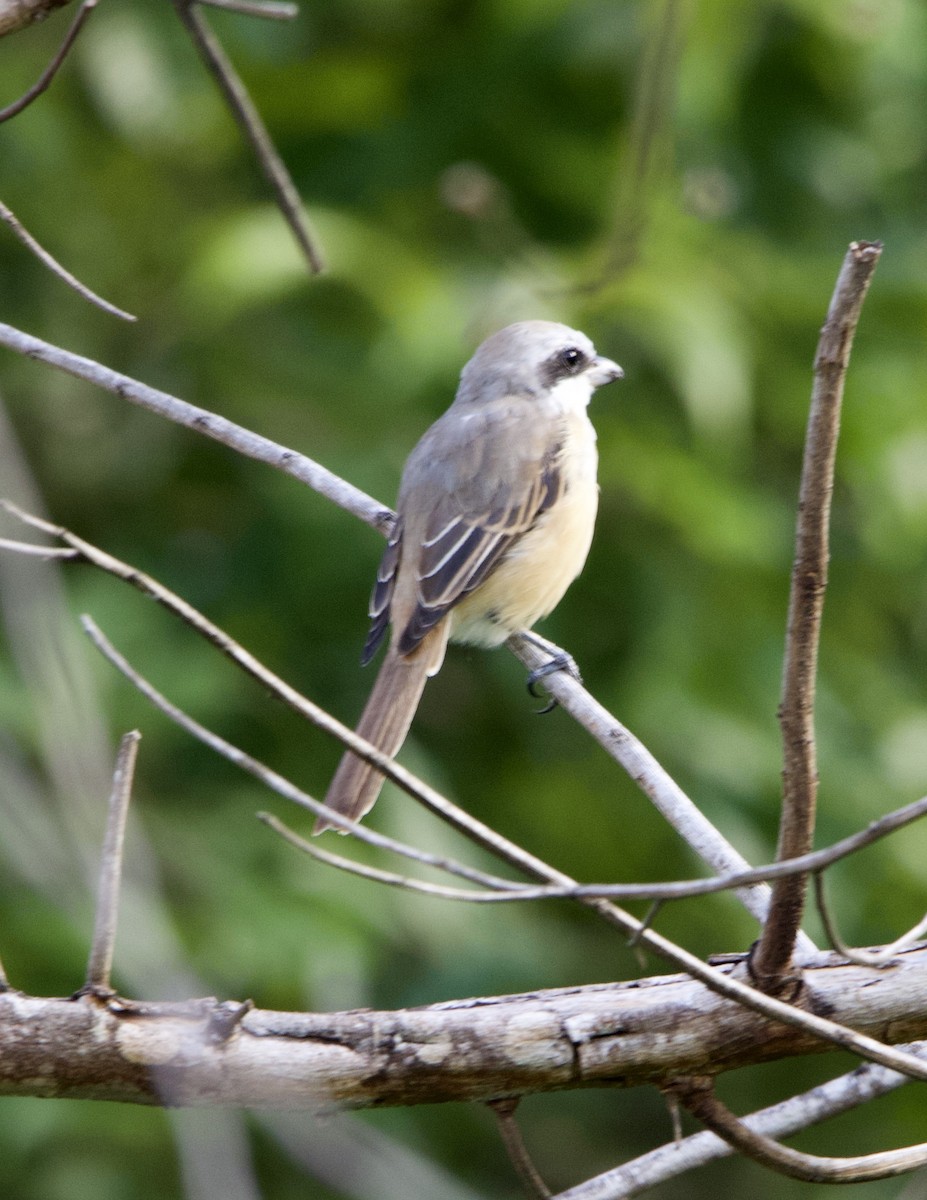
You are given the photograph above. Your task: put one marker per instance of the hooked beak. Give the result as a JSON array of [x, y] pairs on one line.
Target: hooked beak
[[603, 371]]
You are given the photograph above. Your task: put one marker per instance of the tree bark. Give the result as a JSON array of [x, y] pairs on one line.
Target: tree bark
[[205, 1052]]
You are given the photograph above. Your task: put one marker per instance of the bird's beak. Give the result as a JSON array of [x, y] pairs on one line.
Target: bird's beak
[[603, 371]]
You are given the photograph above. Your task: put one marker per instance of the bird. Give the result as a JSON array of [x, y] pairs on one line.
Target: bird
[[494, 520]]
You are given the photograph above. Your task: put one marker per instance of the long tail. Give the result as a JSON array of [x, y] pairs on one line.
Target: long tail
[[385, 722]]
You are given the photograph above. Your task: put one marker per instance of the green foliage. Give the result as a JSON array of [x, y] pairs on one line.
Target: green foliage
[[678, 180]]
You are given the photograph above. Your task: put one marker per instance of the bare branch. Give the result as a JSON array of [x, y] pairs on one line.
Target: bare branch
[[771, 961], [100, 963], [646, 153], [53, 265], [830, 1099], [868, 958], [237, 438], [527, 1172], [376, 875], [716, 980], [660, 893], [78, 549], [664, 793], [276, 783], [249, 121], [200, 1052], [51, 70], [271, 10], [49, 552], [19, 14], [699, 1098]]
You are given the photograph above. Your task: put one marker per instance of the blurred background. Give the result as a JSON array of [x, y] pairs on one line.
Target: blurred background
[[678, 179]]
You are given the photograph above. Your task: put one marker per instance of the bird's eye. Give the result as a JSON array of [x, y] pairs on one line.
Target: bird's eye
[[571, 359]]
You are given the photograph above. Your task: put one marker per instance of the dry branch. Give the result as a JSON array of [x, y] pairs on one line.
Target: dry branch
[[771, 962], [249, 120], [699, 1098], [100, 962], [723, 984], [20, 14], [211, 425], [51, 70], [619, 1035], [23, 234], [787, 1117]]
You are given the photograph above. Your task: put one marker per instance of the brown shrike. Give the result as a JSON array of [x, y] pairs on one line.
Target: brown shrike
[[493, 523]]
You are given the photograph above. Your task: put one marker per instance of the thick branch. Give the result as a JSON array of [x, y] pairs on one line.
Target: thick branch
[[620, 1035]]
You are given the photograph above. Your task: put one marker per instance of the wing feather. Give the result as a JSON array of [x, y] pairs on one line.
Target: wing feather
[[382, 594], [470, 492]]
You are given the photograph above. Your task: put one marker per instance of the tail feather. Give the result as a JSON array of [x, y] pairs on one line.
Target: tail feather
[[385, 722]]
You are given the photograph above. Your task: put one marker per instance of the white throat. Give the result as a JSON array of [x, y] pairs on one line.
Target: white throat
[[570, 396]]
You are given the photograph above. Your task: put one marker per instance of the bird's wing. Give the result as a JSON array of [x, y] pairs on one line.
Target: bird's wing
[[474, 484]]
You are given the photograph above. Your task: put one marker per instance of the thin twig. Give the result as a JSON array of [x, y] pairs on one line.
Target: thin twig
[[426, 795], [771, 961], [617, 741], [271, 10], [80, 550], [278, 687], [718, 981], [51, 70], [376, 874], [660, 788], [852, 1090], [64, 552], [236, 437], [864, 958], [99, 965], [496, 885], [509, 1131], [53, 265], [249, 121], [646, 156], [699, 1098], [21, 14], [659, 893], [276, 783]]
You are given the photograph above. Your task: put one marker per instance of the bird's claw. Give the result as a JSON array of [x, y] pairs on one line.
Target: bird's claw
[[560, 662]]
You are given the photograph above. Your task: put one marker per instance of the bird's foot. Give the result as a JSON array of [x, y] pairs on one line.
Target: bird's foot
[[561, 661]]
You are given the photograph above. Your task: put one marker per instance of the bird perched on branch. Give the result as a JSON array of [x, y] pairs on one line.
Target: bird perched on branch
[[493, 523]]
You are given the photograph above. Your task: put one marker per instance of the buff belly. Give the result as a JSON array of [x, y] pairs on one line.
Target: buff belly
[[530, 580]]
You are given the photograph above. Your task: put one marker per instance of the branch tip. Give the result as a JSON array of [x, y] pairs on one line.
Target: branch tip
[[100, 963]]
